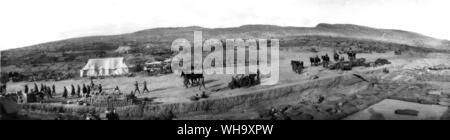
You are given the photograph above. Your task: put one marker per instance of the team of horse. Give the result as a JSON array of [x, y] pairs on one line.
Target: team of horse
[[237, 81], [297, 66], [324, 60], [245, 80], [340, 63], [193, 79]]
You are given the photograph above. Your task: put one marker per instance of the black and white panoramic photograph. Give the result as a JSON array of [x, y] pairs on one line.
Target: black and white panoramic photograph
[[262, 60]]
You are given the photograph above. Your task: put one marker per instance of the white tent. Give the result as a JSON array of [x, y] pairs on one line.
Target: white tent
[[104, 67], [123, 49]]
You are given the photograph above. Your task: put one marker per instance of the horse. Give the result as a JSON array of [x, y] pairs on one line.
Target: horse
[[312, 61], [316, 60], [297, 66], [326, 60]]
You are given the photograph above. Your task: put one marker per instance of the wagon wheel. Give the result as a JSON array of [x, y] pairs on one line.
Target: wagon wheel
[[186, 83]]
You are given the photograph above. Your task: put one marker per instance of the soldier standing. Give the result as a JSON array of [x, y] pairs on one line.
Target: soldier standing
[[258, 77], [73, 90], [136, 87], [84, 89], [100, 88], [145, 87], [65, 93], [42, 88], [78, 91], [26, 89], [49, 90], [36, 88], [54, 89], [88, 91]]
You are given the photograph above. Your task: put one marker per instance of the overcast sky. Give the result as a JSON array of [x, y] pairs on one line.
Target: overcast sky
[[29, 22]]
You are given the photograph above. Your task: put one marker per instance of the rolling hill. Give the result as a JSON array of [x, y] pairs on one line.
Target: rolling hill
[[247, 31], [71, 54]]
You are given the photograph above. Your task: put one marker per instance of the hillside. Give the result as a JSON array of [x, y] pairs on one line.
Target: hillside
[[69, 55], [246, 31]]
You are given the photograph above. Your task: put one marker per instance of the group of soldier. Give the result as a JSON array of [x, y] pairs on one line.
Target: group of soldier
[[35, 94], [86, 90], [44, 89], [136, 88]]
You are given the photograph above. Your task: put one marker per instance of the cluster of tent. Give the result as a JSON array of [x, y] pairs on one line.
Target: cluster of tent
[[104, 67]]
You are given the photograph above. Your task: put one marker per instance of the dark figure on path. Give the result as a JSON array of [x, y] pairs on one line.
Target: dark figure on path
[[42, 88], [84, 89], [26, 89], [88, 92], [145, 87], [136, 87], [73, 91], [65, 93], [36, 88], [78, 91], [54, 89], [49, 92], [258, 77], [100, 88], [326, 60]]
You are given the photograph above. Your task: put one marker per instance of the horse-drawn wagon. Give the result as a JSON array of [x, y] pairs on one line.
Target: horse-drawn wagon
[[158, 67]]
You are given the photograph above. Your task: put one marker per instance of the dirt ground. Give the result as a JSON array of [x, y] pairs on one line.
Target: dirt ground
[[168, 89]]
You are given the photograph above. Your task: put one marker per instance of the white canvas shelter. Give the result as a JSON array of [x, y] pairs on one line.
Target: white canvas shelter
[[154, 63], [104, 67], [123, 49]]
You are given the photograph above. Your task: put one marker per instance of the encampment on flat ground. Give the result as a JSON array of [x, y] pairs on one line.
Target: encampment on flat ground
[[104, 67]]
